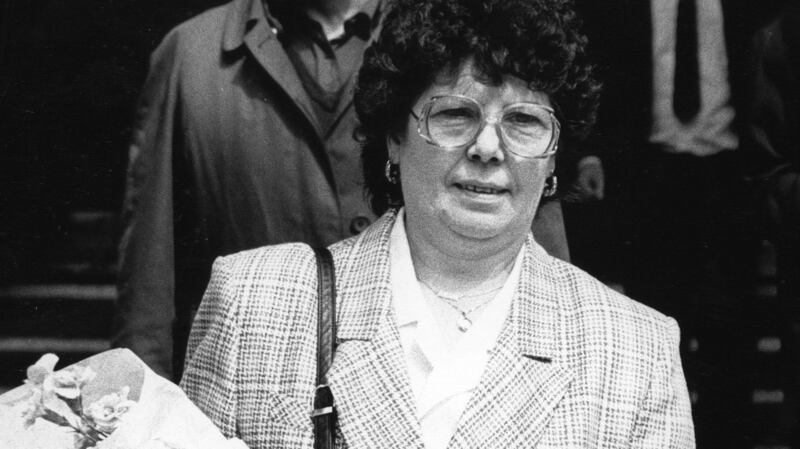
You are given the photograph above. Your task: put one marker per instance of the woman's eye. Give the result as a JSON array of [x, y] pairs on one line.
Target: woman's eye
[[455, 113], [518, 118]]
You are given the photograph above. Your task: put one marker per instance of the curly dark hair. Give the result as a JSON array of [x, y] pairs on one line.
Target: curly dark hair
[[538, 41]]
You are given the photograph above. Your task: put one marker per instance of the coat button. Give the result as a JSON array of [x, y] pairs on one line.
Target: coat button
[[358, 224]]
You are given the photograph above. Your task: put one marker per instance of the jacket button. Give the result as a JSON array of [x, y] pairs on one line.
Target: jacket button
[[358, 224]]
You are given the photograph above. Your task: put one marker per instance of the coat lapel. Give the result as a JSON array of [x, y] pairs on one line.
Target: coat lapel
[[368, 377], [347, 98], [349, 90], [527, 373], [246, 24], [272, 57]]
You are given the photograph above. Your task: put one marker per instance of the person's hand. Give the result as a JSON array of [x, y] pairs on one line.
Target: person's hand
[[590, 181]]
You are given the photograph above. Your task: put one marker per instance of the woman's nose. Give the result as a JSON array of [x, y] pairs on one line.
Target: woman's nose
[[487, 146]]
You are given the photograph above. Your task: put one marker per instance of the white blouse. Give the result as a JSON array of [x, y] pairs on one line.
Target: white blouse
[[442, 378]]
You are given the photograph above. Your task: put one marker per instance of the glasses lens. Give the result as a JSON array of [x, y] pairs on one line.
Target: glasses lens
[[453, 121], [528, 129]]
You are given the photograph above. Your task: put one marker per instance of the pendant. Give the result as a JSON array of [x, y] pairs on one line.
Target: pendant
[[464, 323]]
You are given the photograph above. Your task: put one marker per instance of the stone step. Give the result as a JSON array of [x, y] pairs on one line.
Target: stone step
[[57, 310], [42, 345], [83, 249], [99, 292], [71, 320]]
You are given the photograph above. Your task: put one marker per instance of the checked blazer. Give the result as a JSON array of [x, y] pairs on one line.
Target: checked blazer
[[576, 364]]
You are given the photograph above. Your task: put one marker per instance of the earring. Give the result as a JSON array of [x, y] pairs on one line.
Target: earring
[[550, 186], [392, 172]]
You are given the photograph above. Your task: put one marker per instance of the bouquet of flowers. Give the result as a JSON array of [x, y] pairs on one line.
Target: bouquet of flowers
[[57, 397], [109, 401]]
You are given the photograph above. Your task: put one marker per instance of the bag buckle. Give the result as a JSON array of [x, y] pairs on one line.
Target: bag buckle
[[323, 401]]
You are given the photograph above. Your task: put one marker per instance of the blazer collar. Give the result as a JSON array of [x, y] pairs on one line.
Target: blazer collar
[[368, 377], [367, 285], [535, 313], [525, 378], [528, 371]]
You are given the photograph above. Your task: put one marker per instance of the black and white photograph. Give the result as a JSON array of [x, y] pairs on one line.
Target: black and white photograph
[[439, 224]]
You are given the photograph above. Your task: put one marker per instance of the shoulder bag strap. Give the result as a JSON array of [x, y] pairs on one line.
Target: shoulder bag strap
[[324, 415]]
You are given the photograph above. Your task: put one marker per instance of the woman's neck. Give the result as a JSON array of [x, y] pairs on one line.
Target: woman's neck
[[457, 265]]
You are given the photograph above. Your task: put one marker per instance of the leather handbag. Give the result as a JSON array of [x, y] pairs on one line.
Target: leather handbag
[[324, 414]]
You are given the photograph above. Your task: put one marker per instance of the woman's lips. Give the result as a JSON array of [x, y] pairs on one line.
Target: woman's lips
[[481, 189]]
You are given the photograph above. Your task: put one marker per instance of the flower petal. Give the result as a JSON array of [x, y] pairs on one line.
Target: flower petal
[[42, 368]]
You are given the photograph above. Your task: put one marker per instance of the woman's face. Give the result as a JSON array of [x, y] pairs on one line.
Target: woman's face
[[480, 191]]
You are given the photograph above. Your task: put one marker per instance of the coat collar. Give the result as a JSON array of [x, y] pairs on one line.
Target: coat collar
[[527, 374], [247, 26], [242, 16], [248, 23], [376, 8]]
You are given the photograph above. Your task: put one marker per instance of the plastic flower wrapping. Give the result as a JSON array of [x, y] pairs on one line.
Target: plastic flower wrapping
[[57, 397], [109, 401]]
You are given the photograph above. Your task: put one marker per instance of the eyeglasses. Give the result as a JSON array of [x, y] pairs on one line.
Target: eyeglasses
[[529, 130]]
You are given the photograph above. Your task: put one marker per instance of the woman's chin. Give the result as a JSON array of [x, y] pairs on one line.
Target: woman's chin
[[476, 225]]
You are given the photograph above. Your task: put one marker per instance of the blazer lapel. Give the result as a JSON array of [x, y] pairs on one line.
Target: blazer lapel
[[368, 377], [527, 373]]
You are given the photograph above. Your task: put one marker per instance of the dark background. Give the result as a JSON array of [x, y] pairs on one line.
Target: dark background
[[70, 74]]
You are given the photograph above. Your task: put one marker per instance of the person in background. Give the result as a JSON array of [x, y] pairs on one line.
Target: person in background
[[243, 138], [676, 76], [774, 170], [455, 328]]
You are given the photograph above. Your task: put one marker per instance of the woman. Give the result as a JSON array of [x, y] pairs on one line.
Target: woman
[[455, 328]]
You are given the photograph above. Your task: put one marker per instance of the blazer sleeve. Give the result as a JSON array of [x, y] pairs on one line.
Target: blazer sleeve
[[210, 376], [665, 417], [145, 309]]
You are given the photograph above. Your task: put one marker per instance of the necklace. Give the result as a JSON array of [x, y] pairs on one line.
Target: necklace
[[464, 323]]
